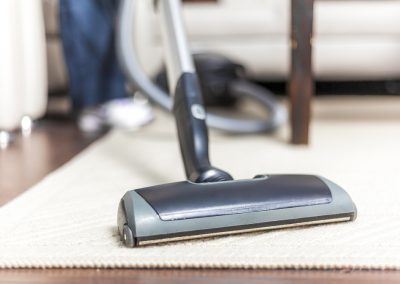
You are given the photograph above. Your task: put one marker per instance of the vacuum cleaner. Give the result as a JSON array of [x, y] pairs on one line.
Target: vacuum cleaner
[[126, 40], [210, 202]]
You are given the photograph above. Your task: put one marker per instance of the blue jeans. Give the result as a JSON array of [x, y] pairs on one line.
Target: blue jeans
[[88, 32]]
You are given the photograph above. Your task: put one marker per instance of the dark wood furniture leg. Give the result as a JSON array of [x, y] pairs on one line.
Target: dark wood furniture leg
[[301, 83]]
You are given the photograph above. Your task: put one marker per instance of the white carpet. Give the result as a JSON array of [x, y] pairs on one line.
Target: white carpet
[[69, 219]]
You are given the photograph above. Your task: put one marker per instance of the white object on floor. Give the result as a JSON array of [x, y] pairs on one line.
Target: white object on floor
[[23, 78], [5, 139], [127, 114], [69, 219], [26, 125], [11, 88], [33, 48]]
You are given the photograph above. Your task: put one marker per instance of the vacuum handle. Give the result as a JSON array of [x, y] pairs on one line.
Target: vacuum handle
[[190, 119], [188, 105], [192, 130]]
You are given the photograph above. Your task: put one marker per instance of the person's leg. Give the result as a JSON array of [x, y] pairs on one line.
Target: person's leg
[[87, 30], [97, 85]]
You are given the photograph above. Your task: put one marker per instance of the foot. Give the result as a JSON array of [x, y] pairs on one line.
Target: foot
[[127, 114], [91, 120]]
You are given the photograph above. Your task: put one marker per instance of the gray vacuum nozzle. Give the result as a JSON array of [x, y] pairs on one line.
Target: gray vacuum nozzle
[[185, 210]]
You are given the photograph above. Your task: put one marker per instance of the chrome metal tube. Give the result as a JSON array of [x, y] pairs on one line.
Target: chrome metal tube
[[176, 48]]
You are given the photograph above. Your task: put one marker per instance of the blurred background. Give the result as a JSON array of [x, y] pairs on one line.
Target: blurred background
[[356, 52], [356, 47]]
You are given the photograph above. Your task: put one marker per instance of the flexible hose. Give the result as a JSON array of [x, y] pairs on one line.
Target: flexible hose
[[126, 36]]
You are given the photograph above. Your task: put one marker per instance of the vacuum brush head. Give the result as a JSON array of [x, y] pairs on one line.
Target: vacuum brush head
[[186, 210]]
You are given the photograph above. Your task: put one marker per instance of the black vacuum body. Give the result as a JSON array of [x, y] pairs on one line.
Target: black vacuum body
[[216, 74]]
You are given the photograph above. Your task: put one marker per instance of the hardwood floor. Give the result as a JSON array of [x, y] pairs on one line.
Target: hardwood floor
[[139, 276], [28, 159], [54, 142]]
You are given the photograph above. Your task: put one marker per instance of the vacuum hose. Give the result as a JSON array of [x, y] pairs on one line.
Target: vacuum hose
[[126, 36]]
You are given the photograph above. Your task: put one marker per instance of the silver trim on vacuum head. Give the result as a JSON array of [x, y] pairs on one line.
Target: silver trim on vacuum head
[[234, 232]]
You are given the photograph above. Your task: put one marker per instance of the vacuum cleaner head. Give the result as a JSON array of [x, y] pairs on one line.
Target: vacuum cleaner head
[[186, 210]]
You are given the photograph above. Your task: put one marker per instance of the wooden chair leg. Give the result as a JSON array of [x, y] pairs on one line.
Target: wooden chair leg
[[301, 83]]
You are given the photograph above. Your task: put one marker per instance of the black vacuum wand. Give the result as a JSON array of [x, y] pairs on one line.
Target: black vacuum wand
[[210, 202], [188, 107], [192, 132]]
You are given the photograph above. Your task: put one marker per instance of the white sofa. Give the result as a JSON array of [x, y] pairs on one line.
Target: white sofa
[[354, 39], [23, 74]]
